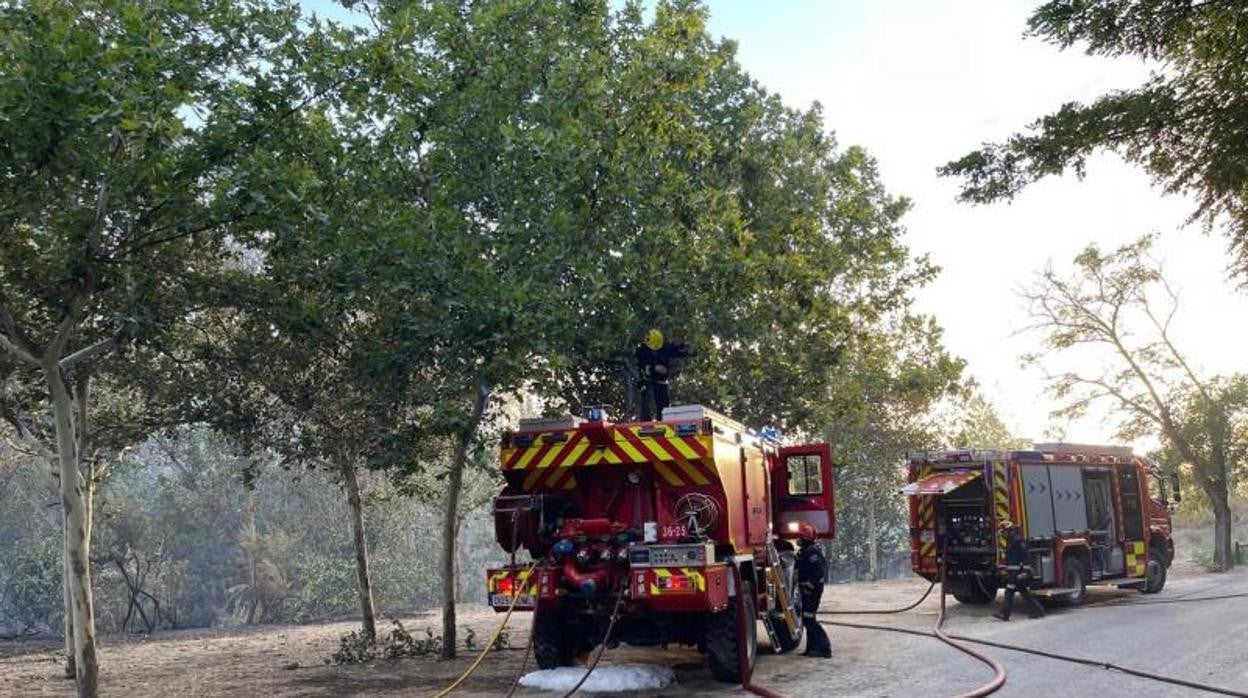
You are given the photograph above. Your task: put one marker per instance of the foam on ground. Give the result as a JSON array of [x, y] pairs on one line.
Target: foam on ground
[[605, 679]]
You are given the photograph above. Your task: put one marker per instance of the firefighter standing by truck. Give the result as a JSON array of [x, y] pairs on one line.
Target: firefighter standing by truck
[[812, 571], [654, 361], [1018, 573]]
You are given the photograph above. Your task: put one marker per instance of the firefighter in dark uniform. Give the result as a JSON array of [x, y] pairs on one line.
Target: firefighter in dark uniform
[[654, 361], [1018, 573], [812, 571]]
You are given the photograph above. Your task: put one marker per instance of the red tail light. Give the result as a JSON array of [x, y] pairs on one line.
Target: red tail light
[[507, 586], [675, 583]]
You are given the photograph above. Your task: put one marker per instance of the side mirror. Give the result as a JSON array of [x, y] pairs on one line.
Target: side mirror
[[1174, 485]]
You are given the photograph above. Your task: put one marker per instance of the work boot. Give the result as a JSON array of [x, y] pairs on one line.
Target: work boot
[[1000, 616]]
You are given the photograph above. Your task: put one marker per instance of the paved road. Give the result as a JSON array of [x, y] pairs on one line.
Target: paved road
[[1202, 641]]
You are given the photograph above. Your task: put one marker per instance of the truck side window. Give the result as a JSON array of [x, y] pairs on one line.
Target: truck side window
[[805, 477]]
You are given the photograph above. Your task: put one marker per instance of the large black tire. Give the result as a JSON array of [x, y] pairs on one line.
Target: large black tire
[[1156, 572], [786, 641], [722, 638], [977, 592], [1074, 576], [551, 646]]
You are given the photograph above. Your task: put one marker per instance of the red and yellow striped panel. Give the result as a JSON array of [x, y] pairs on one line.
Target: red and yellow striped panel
[[549, 460], [927, 525], [1001, 502], [1137, 561]]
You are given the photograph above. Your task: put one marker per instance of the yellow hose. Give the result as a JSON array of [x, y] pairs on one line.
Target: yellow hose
[[488, 646]]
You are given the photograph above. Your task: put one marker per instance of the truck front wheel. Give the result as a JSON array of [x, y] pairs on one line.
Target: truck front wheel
[[551, 641], [1156, 572], [723, 635]]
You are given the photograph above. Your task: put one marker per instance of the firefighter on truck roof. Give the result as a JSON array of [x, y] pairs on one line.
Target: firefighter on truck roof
[[812, 571], [1018, 573], [654, 361]]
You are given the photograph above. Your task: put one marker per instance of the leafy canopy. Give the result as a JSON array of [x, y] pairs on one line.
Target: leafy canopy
[[1187, 125]]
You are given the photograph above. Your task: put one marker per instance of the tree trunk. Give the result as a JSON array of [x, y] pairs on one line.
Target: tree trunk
[[77, 530], [1223, 547], [450, 517], [350, 477], [873, 540], [70, 664]]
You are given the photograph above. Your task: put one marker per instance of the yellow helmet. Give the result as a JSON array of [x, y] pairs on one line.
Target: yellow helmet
[[654, 339]]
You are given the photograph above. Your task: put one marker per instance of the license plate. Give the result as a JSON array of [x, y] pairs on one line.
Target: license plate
[[504, 601]]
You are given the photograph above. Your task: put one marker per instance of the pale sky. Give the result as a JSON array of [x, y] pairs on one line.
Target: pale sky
[[921, 82]]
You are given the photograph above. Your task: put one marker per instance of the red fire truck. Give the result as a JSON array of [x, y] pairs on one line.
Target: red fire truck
[[665, 513], [1085, 512]]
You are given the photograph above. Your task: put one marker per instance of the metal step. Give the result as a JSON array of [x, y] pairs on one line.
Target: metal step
[[1059, 591]]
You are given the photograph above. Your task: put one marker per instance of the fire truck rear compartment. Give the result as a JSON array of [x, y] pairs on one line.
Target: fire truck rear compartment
[[966, 526]]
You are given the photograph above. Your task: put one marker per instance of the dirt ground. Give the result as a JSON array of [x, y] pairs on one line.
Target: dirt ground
[[292, 660]]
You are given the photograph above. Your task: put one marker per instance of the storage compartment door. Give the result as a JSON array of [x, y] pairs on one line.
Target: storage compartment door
[[1070, 511], [806, 490]]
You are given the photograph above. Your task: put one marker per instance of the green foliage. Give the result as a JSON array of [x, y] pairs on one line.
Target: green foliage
[[31, 590], [1185, 125], [355, 647]]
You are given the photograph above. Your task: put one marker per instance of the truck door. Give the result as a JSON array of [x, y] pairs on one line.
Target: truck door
[[805, 490]]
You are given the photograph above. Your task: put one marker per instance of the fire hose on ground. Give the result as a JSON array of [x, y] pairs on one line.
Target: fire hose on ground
[[486, 649], [1109, 666]]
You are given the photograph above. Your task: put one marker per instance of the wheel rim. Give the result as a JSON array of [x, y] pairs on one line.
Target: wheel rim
[[1074, 580]]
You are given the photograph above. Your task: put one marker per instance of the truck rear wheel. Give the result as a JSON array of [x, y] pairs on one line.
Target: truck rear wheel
[[977, 592], [551, 642], [1074, 576], [723, 634], [1156, 572]]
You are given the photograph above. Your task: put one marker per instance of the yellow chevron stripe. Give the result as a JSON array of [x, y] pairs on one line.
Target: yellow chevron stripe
[[531, 479], [656, 447], [684, 448], [596, 457], [698, 578], [529, 454], [570, 484], [577, 449], [692, 471], [633, 453], [666, 472]]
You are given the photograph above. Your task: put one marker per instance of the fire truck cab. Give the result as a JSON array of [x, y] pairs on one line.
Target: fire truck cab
[[1085, 512]]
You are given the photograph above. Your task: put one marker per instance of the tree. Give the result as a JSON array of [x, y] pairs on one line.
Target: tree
[[1117, 308], [131, 156], [885, 390], [563, 176], [1186, 125]]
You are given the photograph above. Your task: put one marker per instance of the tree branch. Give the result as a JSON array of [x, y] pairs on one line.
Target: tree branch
[[23, 431], [11, 338], [87, 353]]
